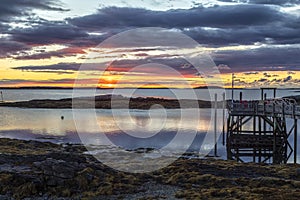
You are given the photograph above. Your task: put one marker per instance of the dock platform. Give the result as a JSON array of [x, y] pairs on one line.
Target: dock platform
[[257, 130]]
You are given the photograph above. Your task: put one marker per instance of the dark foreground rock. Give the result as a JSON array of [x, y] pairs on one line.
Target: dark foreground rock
[[34, 170]]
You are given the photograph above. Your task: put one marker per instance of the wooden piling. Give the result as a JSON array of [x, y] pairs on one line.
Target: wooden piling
[[224, 107], [215, 127], [295, 140], [2, 99]]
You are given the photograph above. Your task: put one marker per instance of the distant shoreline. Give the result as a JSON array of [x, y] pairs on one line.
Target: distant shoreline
[[105, 101]]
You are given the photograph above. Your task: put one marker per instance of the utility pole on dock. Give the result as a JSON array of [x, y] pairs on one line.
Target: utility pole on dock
[[232, 86]]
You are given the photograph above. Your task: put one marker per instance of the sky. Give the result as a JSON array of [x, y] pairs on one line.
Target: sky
[[46, 42]]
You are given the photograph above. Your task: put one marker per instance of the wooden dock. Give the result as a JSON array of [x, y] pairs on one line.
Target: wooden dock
[[257, 130]]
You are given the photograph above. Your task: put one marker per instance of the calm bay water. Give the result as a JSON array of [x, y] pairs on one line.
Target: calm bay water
[[47, 125], [151, 131]]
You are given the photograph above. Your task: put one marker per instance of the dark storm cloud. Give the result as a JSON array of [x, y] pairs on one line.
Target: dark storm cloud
[[251, 73], [13, 8], [54, 72], [219, 25], [11, 11], [291, 72], [269, 75], [31, 81], [45, 55], [288, 78], [236, 24], [116, 66], [49, 34], [262, 80], [246, 35], [55, 67], [63, 67], [218, 16], [260, 59], [269, 2], [8, 46], [179, 64], [213, 26], [12, 81]]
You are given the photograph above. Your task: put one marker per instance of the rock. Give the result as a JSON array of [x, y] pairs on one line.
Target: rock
[[11, 168], [37, 164], [51, 182], [57, 168], [298, 172]]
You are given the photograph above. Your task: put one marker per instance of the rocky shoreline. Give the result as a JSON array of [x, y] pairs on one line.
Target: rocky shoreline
[[36, 170]]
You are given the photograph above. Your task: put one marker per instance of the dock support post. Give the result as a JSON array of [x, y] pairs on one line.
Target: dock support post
[[265, 96], [259, 133], [295, 140], [254, 133], [215, 127], [224, 107], [2, 99]]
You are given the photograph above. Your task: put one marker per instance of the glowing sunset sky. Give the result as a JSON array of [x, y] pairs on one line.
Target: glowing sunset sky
[[44, 43]]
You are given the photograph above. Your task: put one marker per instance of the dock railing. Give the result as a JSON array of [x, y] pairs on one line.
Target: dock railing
[[269, 107]]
